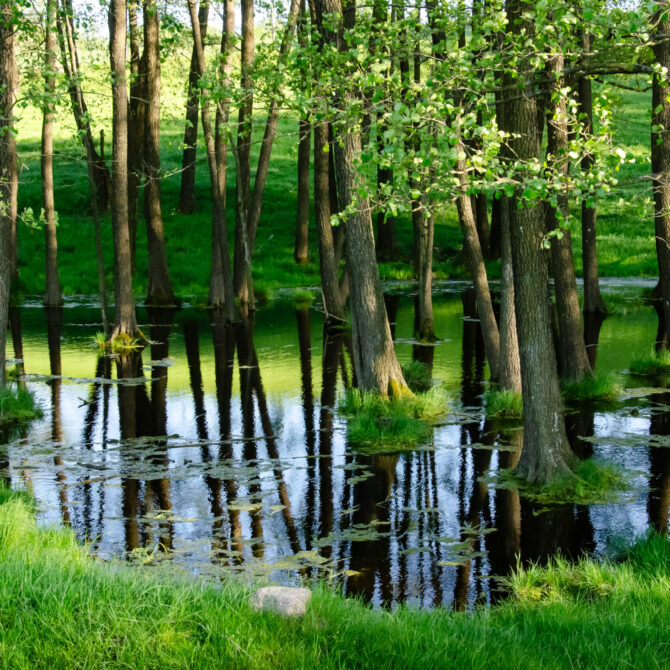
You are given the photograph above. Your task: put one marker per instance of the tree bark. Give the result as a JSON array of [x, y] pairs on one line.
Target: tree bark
[[572, 349], [660, 160], [187, 201], [52, 292], [7, 100], [593, 302], [546, 452], [375, 361], [126, 322], [159, 291]]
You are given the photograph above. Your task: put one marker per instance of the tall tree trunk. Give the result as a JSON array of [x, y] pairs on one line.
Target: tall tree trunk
[[70, 62], [574, 361], [136, 125], [301, 246], [221, 290], [13, 211], [593, 302], [187, 202], [7, 84], [546, 452], [159, 291], [377, 367], [660, 159], [509, 378], [475, 261], [126, 322], [52, 292]]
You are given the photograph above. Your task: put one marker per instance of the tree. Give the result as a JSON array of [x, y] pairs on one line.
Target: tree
[[126, 321]]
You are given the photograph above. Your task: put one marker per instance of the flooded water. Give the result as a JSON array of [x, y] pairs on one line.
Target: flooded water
[[219, 450]]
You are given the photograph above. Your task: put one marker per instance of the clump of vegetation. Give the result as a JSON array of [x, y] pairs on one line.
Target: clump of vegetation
[[17, 404], [593, 388], [120, 344], [303, 298], [592, 482], [417, 376], [503, 404], [652, 363], [381, 424]]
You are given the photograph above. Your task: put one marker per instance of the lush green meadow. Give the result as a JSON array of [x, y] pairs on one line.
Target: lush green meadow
[[63, 609]]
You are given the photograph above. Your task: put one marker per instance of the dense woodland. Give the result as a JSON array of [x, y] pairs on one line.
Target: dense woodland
[[397, 113]]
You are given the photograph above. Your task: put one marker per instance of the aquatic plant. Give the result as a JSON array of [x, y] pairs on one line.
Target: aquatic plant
[[592, 482], [593, 388], [503, 404], [17, 404], [380, 424], [417, 376], [303, 298], [652, 363], [120, 344]]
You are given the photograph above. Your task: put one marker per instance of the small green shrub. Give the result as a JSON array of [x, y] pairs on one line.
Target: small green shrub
[[593, 388], [503, 404], [417, 376], [379, 424], [17, 404]]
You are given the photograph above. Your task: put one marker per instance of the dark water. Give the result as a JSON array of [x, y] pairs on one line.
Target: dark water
[[221, 451]]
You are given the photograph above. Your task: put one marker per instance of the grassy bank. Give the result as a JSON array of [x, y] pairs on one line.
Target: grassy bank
[[63, 609]]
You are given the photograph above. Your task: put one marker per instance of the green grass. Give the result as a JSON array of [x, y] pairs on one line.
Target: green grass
[[652, 363], [593, 388], [503, 404], [63, 609], [303, 298], [17, 404], [375, 423], [417, 376], [593, 482]]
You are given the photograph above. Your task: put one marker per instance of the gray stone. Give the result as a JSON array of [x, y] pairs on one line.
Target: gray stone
[[284, 600]]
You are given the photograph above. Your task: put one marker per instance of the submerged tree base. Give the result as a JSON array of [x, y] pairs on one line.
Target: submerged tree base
[[17, 404], [380, 424], [591, 482]]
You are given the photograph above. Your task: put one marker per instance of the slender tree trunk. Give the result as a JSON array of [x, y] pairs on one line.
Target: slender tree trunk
[[572, 349], [187, 201], [301, 246], [126, 323], [13, 211], [660, 164], [510, 366], [475, 261], [546, 452], [159, 291], [375, 361], [52, 292], [70, 62], [593, 302], [7, 84], [217, 178]]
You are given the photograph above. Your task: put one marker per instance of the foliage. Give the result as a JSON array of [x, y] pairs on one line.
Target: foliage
[[379, 424], [593, 388], [17, 404], [653, 363], [503, 404], [417, 376], [64, 609], [592, 482], [303, 298]]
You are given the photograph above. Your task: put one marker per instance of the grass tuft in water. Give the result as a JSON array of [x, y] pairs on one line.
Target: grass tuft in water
[[378, 424], [303, 298], [17, 404], [503, 404], [593, 388], [652, 363], [417, 376], [593, 482]]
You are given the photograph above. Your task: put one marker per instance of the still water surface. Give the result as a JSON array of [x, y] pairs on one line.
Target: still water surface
[[219, 450]]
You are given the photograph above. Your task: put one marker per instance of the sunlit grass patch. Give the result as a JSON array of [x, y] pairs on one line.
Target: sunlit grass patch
[[303, 298], [592, 482], [17, 404], [503, 404], [377, 423], [593, 388], [652, 363]]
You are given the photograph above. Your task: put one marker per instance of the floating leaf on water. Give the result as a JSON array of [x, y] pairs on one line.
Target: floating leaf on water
[[276, 508], [414, 550]]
